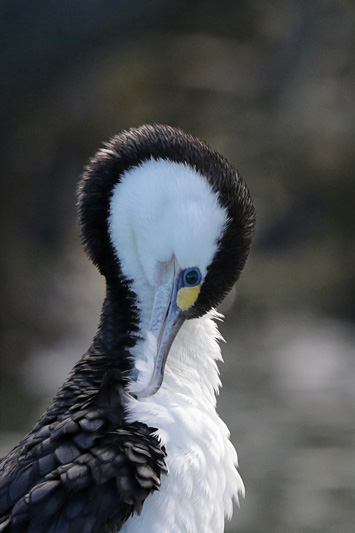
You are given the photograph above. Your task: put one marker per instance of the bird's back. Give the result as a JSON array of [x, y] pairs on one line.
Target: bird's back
[[85, 470]]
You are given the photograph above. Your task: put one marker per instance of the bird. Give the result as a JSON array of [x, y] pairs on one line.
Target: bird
[[132, 441]]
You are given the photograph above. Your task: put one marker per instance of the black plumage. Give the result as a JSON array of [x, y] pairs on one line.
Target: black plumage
[[83, 468]]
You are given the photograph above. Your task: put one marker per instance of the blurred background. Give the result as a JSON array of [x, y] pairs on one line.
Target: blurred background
[[269, 84]]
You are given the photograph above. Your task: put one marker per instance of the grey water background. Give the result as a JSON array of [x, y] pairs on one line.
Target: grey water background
[[269, 84]]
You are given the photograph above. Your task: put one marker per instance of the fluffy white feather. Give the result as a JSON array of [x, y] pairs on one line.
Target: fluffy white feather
[[203, 480]]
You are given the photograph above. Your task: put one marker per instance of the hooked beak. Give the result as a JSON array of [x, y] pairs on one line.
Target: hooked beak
[[168, 315]]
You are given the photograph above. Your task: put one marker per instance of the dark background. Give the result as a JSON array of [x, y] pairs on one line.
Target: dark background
[[269, 84]]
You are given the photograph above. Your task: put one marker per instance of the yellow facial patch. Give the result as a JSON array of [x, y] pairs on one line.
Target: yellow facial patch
[[186, 297]]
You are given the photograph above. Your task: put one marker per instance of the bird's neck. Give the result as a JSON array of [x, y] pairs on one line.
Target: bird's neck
[[120, 344], [110, 350]]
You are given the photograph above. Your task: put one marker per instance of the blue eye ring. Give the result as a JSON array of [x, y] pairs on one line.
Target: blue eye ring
[[191, 277]]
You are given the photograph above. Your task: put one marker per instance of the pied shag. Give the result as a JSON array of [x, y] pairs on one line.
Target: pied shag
[[132, 441]]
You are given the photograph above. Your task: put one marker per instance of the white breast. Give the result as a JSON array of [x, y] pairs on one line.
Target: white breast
[[197, 493]]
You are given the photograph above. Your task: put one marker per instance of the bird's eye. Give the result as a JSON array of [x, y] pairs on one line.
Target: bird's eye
[[192, 277]]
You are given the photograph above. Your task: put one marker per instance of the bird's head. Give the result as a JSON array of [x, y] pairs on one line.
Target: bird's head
[[170, 218]]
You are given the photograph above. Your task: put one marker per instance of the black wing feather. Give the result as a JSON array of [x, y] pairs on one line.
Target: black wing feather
[[86, 471]]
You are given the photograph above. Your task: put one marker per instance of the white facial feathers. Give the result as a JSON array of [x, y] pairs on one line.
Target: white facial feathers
[[161, 208]]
